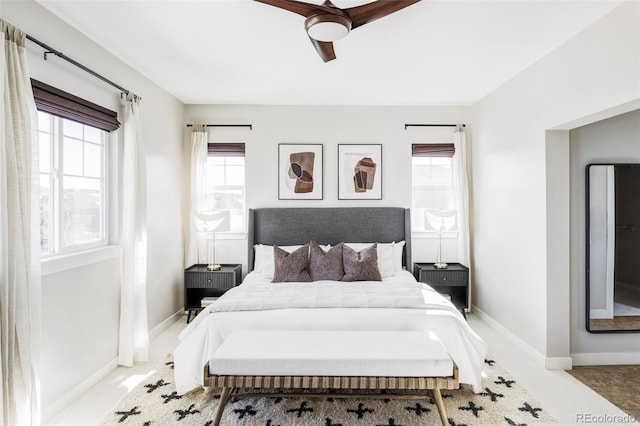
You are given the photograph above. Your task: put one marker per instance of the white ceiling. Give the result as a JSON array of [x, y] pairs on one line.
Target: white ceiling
[[435, 52]]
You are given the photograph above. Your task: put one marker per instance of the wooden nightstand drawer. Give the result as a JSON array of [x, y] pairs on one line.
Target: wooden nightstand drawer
[[218, 279], [446, 278]]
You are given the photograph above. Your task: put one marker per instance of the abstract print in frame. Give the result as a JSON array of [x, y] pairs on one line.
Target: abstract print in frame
[[359, 172], [300, 171]]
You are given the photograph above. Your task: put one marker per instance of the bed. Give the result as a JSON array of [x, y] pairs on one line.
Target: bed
[[395, 303]]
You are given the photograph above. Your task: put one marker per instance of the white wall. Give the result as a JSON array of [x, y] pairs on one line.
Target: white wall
[[614, 140], [521, 183], [330, 126], [80, 303]]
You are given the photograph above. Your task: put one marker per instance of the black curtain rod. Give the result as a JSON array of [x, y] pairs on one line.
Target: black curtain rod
[[431, 125], [51, 50], [250, 126]]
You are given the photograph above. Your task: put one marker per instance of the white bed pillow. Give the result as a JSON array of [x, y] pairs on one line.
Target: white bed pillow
[[385, 256], [259, 256], [397, 256]]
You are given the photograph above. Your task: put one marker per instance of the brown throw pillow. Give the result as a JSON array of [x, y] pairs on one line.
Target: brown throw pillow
[[291, 266], [325, 265], [361, 266]]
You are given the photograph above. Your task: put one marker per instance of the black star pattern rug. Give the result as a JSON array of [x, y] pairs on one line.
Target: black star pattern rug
[[502, 402]]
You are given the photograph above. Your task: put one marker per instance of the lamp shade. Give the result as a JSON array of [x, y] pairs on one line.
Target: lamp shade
[[441, 220], [213, 221]]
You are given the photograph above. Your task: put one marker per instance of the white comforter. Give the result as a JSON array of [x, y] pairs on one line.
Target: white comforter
[[395, 304]]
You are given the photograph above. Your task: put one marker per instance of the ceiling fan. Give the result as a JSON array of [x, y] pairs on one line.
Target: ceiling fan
[[327, 23]]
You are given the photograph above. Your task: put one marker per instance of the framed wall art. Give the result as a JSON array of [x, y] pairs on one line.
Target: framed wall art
[[360, 172], [300, 169]]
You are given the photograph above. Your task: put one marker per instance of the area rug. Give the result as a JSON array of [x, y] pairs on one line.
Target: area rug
[[502, 402]]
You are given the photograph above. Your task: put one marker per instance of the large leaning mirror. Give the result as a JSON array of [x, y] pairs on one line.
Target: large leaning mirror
[[613, 247]]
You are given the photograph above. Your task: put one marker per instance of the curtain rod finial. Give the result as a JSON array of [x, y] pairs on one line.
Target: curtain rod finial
[[46, 54]]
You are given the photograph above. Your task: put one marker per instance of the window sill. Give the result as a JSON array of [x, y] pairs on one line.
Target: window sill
[[68, 262], [428, 235]]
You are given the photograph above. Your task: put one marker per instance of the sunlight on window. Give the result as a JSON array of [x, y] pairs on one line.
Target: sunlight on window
[[225, 188], [73, 201], [433, 201]]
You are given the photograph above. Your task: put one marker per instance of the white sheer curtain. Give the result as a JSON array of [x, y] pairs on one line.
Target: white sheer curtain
[[461, 188], [19, 237], [134, 331], [196, 244]]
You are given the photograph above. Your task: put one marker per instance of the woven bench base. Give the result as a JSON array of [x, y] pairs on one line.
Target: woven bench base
[[231, 384]]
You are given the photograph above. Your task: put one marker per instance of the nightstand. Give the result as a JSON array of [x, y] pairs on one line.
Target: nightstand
[[453, 281], [199, 282]]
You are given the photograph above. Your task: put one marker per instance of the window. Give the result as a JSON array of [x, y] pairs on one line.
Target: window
[[433, 198], [73, 185], [225, 184], [72, 134]]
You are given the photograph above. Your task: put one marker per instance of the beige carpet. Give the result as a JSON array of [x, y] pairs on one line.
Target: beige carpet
[[502, 402], [617, 323], [619, 384]]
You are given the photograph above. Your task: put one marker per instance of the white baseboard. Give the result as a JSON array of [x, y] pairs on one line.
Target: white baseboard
[[549, 363], [77, 391], [515, 340], [158, 329], [558, 363], [616, 358], [561, 363], [51, 410], [600, 314]]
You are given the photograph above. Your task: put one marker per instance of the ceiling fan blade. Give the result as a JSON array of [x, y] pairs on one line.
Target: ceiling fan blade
[[369, 12], [299, 7], [325, 49]]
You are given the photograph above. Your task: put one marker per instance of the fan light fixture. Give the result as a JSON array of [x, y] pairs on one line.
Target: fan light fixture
[[326, 23], [327, 28]]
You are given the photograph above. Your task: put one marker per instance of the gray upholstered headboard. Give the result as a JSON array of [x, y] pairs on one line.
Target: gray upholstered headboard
[[329, 225]]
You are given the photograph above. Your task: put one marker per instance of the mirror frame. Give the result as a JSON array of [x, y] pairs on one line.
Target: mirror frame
[[587, 259]]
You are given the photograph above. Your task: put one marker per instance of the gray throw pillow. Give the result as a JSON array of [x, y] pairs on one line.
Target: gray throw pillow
[[325, 265], [291, 266], [361, 266]]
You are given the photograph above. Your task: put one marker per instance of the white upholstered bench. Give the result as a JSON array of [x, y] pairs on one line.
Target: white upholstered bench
[[337, 360]]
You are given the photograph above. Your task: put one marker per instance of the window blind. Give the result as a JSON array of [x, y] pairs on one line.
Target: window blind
[[226, 149], [62, 104], [432, 150]]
